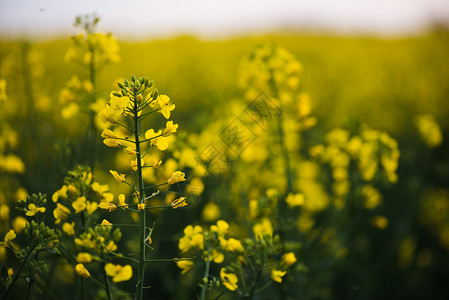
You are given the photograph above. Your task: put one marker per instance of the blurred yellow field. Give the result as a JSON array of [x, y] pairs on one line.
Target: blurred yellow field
[[261, 167]]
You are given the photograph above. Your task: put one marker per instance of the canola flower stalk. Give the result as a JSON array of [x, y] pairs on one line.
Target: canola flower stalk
[[134, 96]]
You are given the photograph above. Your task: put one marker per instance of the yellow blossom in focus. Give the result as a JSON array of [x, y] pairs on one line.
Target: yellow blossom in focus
[[117, 177], [277, 275], [69, 228], [229, 280], [106, 223], [118, 103], [157, 139], [141, 206], [82, 271], [169, 128], [180, 202], [33, 209], [166, 108], [178, 176], [80, 204], [119, 273]]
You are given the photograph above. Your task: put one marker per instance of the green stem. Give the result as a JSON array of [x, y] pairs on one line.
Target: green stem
[[106, 283], [258, 275], [206, 275], [16, 275], [30, 284], [142, 213]]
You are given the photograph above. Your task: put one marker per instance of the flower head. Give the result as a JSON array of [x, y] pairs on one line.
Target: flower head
[[180, 202], [119, 273], [229, 280], [166, 108], [69, 228], [277, 275], [33, 209], [8, 238], [117, 177], [184, 265], [169, 128], [288, 259], [82, 271], [178, 176]]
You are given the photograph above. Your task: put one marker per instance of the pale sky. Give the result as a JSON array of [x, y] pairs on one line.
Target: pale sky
[[215, 18]]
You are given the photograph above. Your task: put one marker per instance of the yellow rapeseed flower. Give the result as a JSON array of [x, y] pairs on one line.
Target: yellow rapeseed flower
[[119, 273], [60, 213], [166, 108], [117, 177], [84, 258], [184, 265], [180, 202], [121, 200], [295, 200], [288, 259], [229, 280], [69, 228], [106, 223], [19, 224], [221, 228], [169, 128], [33, 209], [82, 271], [178, 176], [8, 238], [262, 228], [277, 275], [141, 206], [79, 204]]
